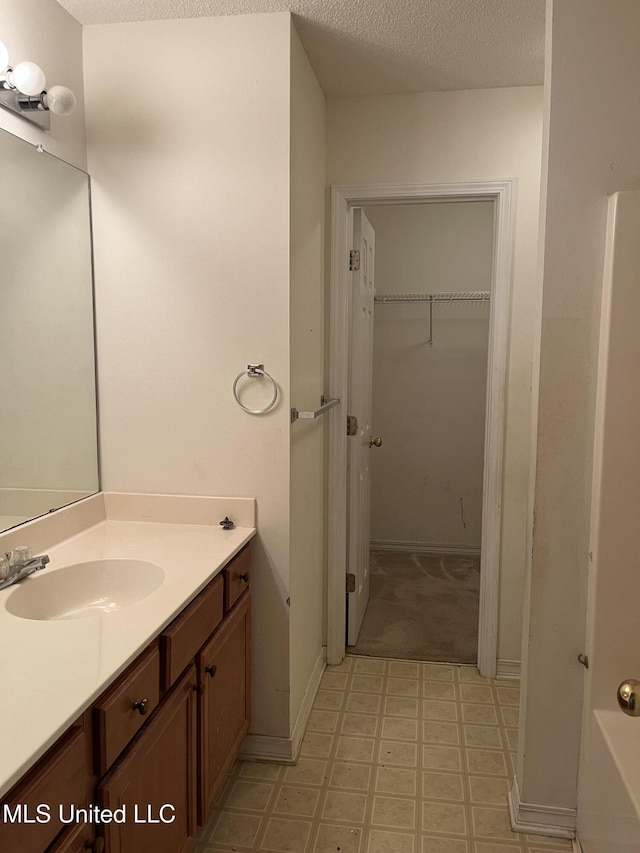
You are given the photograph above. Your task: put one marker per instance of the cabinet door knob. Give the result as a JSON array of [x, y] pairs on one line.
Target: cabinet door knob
[[244, 577], [211, 670], [141, 706]]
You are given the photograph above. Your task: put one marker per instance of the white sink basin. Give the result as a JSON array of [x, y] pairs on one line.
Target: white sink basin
[[87, 589]]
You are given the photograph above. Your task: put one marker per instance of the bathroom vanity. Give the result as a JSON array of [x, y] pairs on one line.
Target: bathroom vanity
[[125, 664], [158, 689]]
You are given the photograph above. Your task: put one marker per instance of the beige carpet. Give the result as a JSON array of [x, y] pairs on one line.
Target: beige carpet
[[422, 607]]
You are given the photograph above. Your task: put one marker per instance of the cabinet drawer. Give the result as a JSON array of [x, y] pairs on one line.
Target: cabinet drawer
[[237, 576], [182, 640], [58, 782], [125, 708]]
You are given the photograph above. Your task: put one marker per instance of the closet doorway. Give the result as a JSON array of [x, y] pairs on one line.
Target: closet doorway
[[497, 196], [433, 272]]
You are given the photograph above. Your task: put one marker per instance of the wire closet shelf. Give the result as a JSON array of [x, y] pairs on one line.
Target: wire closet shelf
[[430, 298], [454, 296]]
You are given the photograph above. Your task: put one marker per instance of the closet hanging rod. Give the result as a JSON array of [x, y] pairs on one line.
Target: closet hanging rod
[[430, 298], [456, 296]]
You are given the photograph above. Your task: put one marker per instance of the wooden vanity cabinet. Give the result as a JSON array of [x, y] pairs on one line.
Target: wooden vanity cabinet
[[215, 632], [182, 755], [165, 734]]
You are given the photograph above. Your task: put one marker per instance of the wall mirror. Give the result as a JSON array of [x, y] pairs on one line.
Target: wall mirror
[[48, 424]]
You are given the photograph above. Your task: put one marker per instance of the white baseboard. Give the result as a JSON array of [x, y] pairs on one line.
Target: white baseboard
[[424, 547], [300, 725], [508, 670], [538, 819], [283, 750], [267, 748]]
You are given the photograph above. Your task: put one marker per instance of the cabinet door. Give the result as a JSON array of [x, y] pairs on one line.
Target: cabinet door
[[224, 673], [155, 781], [60, 781], [78, 839]]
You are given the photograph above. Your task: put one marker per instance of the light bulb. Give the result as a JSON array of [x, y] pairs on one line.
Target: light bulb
[[60, 100], [28, 78], [4, 57]]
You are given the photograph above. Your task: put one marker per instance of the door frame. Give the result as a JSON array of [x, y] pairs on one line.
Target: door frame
[[343, 200]]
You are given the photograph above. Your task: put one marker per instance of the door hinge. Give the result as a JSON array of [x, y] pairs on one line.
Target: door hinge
[[351, 582], [352, 425], [354, 260]]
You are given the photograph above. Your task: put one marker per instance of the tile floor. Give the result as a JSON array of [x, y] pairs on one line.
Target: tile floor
[[398, 757]]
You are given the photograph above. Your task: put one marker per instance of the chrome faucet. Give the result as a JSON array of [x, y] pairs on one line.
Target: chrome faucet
[[19, 564]]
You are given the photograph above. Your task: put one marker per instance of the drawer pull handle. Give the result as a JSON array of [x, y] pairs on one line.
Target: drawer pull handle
[[244, 577], [211, 670], [142, 706]]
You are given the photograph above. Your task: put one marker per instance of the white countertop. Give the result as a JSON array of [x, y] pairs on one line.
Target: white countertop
[[51, 671]]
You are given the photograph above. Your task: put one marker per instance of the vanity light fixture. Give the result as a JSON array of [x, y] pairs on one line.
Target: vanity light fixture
[[22, 90]]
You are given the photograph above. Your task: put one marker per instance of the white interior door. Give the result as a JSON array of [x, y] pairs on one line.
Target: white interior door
[[608, 792], [359, 449]]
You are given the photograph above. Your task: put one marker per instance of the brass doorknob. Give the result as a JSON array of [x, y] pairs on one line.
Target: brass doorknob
[[629, 697], [375, 442]]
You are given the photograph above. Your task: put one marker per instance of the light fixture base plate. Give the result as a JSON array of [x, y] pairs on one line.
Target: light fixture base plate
[[27, 108]]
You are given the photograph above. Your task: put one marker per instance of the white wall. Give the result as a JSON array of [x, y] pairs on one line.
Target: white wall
[[192, 254], [592, 129], [307, 370], [466, 136], [43, 32], [429, 401]]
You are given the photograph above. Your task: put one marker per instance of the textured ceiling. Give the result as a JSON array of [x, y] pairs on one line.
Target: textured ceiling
[[372, 47]]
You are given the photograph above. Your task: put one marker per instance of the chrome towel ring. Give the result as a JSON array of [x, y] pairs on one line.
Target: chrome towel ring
[[253, 371]]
